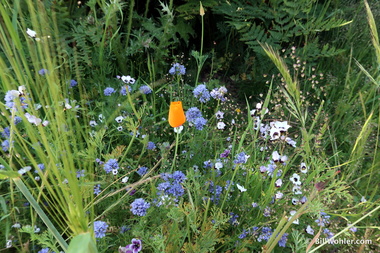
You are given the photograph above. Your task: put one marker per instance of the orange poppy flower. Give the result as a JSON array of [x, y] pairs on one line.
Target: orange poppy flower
[[176, 114]]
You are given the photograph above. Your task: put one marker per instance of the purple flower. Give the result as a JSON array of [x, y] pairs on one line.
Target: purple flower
[[100, 229], [110, 165], [177, 69], [44, 250], [202, 93], [139, 207], [225, 153], [145, 89], [73, 83], [134, 247], [108, 91]]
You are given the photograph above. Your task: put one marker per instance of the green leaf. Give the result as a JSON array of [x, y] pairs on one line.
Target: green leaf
[[8, 174], [82, 243]]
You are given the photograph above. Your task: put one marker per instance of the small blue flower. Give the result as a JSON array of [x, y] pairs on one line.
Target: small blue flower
[[5, 145], [6, 133], [43, 72], [73, 83], [123, 90], [110, 165], [142, 171], [177, 69], [44, 250], [283, 240], [97, 189], [145, 89], [151, 145], [241, 158], [202, 93], [100, 229], [139, 207], [108, 91], [80, 173]]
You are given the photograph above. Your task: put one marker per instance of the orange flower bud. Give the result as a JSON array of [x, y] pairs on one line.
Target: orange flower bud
[[176, 114]]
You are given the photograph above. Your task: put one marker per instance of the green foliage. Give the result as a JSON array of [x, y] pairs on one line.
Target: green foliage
[[283, 23]]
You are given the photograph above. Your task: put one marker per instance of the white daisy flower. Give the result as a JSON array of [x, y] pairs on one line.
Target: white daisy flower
[[31, 33], [241, 188], [279, 195], [303, 168], [218, 165], [119, 119], [221, 125], [219, 115], [309, 230], [101, 117], [93, 123], [275, 156], [297, 190], [295, 179], [278, 182], [128, 79], [295, 201]]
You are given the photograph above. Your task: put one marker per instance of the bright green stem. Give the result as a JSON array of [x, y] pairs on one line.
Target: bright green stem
[[175, 152], [22, 187]]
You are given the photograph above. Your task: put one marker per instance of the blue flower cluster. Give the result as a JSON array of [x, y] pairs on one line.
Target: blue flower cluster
[[151, 145], [241, 158], [139, 207], [111, 165], [172, 186], [108, 91], [194, 117], [233, 219], [100, 229], [218, 93], [323, 220], [250, 231], [177, 69], [201, 93], [215, 190]]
